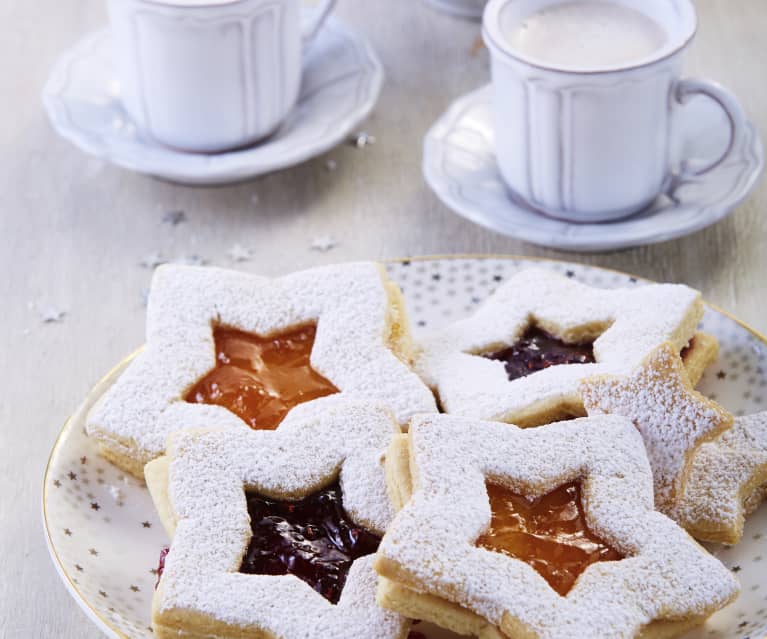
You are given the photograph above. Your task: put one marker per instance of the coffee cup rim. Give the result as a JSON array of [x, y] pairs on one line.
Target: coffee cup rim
[[494, 39]]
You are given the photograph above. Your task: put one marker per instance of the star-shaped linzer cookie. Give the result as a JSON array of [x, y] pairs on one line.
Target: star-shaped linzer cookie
[[521, 356], [673, 418], [342, 328], [727, 482], [546, 532], [273, 532]]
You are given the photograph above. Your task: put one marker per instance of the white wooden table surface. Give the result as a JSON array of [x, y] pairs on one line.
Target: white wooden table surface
[[73, 231]]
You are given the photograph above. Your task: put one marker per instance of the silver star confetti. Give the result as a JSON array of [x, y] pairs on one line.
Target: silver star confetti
[[174, 218], [52, 315], [117, 493], [363, 139], [152, 260], [238, 253], [324, 243], [191, 260]]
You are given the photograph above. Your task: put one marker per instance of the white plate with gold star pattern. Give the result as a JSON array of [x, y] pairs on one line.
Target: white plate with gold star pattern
[[105, 538]]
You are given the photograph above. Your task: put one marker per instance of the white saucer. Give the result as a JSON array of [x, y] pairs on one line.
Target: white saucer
[[460, 166], [471, 9], [341, 83]]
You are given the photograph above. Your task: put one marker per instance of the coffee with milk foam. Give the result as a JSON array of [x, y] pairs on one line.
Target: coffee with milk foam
[[587, 35]]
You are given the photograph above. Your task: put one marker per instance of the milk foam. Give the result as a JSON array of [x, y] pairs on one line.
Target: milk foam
[[587, 35]]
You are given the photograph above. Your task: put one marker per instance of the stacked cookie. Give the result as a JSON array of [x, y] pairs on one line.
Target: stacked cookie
[[290, 435]]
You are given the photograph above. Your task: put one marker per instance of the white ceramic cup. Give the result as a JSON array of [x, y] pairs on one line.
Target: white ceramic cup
[[210, 75], [594, 145]]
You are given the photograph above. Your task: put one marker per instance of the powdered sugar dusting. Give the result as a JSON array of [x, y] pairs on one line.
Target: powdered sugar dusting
[[672, 417], [626, 324], [431, 542], [349, 303], [207, 473], [726, 482]]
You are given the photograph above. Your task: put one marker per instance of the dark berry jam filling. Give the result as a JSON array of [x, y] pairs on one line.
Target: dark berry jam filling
[[313, 539], [537, 350]]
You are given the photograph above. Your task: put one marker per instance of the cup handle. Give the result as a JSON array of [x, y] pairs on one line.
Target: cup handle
[[693, 168], [312, 28]]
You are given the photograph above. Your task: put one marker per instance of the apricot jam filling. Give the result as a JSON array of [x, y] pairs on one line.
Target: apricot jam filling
[[260, 379], [549, 533], [537, 350]]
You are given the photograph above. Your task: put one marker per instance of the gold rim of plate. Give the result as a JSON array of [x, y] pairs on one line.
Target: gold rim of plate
[[107, 379]]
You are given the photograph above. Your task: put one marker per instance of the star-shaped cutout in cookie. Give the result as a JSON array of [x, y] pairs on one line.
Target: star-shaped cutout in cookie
[[200, 491], [726, 482], [432, 559], [361, 346], [672, 417]]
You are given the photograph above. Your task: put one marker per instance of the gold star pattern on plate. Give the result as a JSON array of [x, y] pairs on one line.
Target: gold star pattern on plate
[[672, 417], [726, 482]]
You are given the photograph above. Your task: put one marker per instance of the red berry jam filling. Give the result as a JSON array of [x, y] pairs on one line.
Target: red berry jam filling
[[313, 539], [537, 350], [161, 565]]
